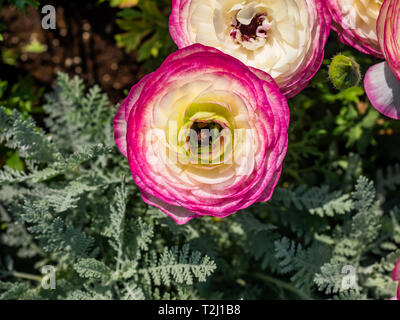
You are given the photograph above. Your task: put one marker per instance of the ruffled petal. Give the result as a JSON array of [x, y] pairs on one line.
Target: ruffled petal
[[121, 118], [120, 130], [388, 30], [180, 214], [289, 46], [383, 90], [355, 23], [396, 272], [247, 99]]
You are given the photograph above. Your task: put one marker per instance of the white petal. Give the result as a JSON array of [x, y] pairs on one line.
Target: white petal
[[383, 90], [247, 14]]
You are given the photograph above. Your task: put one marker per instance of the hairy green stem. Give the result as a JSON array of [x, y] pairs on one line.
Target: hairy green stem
[[23, 275]]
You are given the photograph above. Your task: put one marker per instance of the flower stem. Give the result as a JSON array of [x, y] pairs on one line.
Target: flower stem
[[23, 275], [282, 284]]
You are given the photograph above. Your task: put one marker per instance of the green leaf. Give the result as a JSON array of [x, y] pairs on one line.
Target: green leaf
[[92, 269]]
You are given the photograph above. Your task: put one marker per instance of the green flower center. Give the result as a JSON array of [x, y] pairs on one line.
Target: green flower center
[[204, 134]]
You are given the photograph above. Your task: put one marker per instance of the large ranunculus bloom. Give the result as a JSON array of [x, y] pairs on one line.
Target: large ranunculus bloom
[[204, 134], [285, 38], [382, 81], [355, 23]]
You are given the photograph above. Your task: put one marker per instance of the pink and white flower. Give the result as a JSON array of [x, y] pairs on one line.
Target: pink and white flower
[[204, 134], [355, 23], [285, 38], [396, 277], [382, 81]]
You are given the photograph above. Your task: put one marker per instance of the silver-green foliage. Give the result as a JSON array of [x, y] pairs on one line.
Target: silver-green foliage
[[75, 207]]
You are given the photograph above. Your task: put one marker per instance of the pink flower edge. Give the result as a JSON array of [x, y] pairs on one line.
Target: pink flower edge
[[349, 36], [396, 272], [383, 90], [388, 34], [129, 118], [299, 80]]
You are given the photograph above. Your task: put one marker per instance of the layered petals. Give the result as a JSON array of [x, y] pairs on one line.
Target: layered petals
[[388, 29], [284, 38], [382, 81], [355, 22], [204, 134]]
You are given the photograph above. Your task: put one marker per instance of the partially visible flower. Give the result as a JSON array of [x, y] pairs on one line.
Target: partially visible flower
[[204, 134], [355, 23], [388, 29], [382, 81], [285, 38], [123, 3], [396, 277]]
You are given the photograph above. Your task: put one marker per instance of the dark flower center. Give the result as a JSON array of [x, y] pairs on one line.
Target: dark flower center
[[206, 132], [252, 30]]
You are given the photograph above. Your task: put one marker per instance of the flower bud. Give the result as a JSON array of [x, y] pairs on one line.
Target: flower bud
[[344, 72]]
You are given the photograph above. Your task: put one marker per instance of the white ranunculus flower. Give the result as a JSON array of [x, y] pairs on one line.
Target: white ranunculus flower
[[382, 81], [355, 23], [284, 38]]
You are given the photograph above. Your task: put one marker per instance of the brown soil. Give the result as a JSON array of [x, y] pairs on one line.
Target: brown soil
[[82, 44]]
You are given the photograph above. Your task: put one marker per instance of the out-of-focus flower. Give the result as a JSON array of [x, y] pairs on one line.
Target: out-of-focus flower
[[355, 23], [204, 134], [396, 277], [285, 38], [123, 3], [382, 81]]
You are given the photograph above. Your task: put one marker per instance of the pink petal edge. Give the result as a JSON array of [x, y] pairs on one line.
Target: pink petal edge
[[120, 129], [350, 36], [396, 272], [267, 97], [383, 90], [297, 81]]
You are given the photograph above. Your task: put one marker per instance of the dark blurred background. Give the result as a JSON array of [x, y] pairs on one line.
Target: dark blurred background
[[84, 43]]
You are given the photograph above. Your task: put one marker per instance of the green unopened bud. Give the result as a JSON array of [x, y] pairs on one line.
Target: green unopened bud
[[344, 72]]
